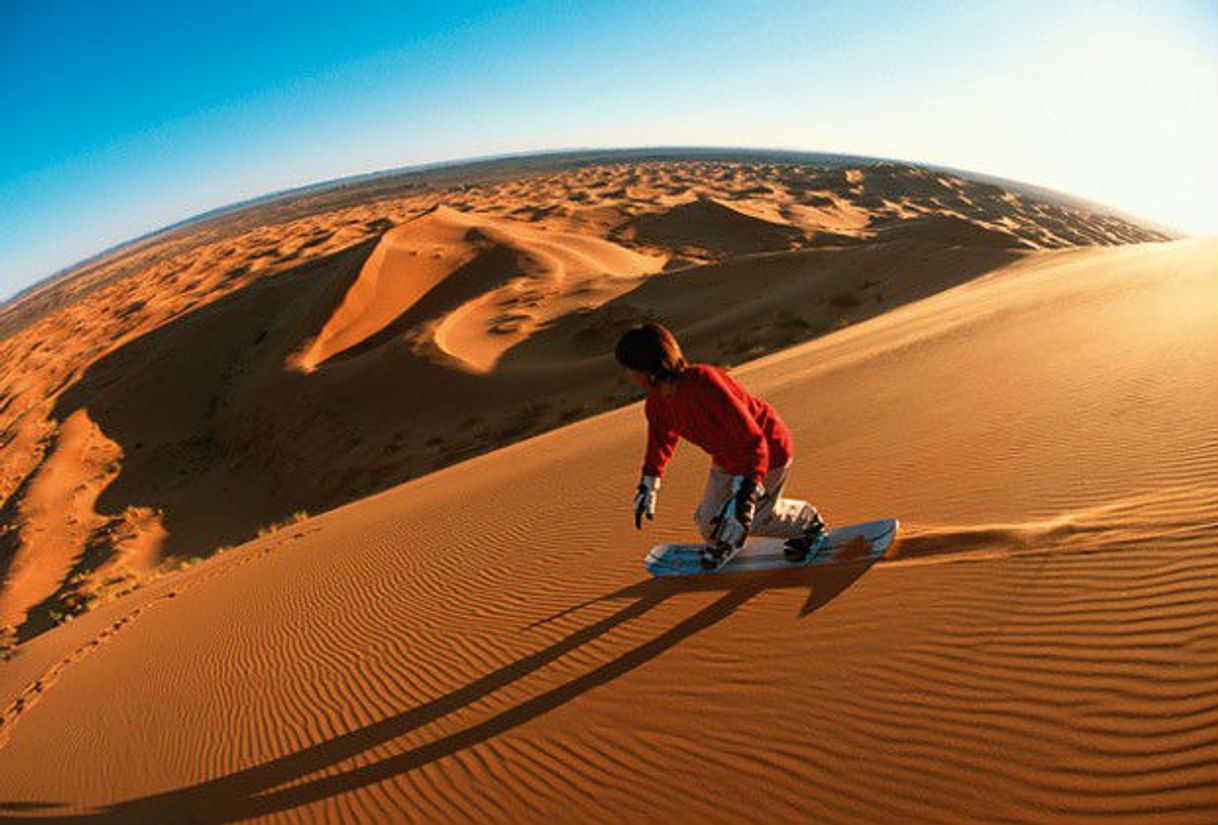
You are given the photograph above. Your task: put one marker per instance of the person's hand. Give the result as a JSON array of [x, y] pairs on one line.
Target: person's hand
[[645, 500], [735, 518]]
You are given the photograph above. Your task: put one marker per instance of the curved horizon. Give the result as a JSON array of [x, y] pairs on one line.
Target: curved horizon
[[575, 154], [1114, 103]]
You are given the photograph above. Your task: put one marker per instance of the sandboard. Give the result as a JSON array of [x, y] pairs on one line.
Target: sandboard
[[856, 543]]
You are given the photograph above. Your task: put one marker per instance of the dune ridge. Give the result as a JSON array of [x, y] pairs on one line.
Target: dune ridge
[[512, 279], [1039, 648]]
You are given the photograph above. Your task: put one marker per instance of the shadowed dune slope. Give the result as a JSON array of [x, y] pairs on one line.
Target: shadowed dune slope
[[706, 225], [482, 645]]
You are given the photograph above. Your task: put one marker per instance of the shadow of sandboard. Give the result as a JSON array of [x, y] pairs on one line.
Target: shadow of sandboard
[[864, 542]]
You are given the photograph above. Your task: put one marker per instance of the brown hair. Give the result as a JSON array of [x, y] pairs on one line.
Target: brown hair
[[652, 349]]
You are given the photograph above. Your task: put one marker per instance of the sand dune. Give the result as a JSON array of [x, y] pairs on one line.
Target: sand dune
[[705, 225], [500, 281], [481, 644], [58, 508], [953, 230]]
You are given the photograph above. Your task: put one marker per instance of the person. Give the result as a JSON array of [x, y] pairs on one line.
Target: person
[[749, 446]]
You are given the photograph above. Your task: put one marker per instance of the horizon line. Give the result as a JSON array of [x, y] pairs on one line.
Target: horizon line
[[423, 167]]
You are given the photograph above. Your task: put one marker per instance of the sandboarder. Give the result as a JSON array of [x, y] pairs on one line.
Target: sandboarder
[[749, 445]]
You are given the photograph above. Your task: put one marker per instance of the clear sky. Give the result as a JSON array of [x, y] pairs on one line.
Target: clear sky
[[120, 117]]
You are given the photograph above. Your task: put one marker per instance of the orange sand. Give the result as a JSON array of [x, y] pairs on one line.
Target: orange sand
[[304, 353], [481, 644]]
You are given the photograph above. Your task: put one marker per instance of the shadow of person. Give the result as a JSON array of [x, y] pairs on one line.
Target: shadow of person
[[251, 792]]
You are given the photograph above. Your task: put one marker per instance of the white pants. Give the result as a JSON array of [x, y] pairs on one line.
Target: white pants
[[776, 517]]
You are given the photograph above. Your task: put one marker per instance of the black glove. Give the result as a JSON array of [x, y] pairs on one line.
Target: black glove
[[645, 500]]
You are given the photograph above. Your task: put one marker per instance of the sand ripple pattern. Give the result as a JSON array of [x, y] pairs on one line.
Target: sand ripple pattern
[[481, 644]]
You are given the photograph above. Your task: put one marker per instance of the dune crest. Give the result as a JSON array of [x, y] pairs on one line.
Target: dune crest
[[505, 278], [408, 261]]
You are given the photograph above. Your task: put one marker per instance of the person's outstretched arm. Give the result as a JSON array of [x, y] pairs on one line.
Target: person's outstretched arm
[[661, 442]]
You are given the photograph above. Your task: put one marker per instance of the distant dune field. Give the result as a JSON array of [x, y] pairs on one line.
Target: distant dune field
[[466, 633]]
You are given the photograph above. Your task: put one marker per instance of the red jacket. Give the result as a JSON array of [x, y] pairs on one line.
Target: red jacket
[[743, 434]]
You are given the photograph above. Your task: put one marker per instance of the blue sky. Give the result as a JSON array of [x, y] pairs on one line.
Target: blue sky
[[121, 117]]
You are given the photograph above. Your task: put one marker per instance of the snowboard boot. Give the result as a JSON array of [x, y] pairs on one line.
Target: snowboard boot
[[715, 554], [805, 546]]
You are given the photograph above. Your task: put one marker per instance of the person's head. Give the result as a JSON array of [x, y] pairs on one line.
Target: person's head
[[650, 354]]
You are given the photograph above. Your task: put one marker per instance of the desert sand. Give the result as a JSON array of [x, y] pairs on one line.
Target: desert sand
[[474, 639]]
